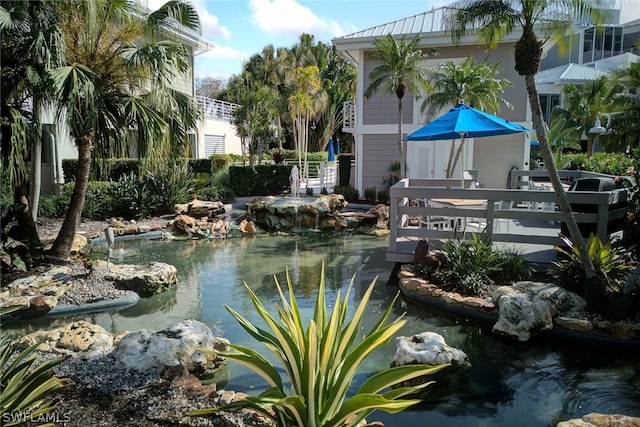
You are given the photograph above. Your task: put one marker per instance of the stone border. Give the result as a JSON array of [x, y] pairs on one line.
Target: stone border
[[604, 332]]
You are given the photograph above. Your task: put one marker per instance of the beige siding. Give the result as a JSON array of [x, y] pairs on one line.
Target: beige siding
[[383, 109], [503, 54], [494, 156], [378, 154]]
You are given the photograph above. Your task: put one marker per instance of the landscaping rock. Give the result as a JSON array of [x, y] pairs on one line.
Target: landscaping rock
[[427, 348], [78, 339], [528, 308], [381, 212], [146, 352], [184, 225], [200, 208], [145, 280], [284, 213], [601, 420]]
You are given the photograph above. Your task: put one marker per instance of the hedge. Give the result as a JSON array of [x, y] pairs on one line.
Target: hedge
[[261, 180]]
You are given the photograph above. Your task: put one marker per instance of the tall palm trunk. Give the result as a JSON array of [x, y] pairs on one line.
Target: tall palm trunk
[[550, 165], [400, 141], [62, 246], [36, 159]]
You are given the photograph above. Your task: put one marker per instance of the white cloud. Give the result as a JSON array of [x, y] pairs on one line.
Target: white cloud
[[209, 23], [290, 18], [224, 53]]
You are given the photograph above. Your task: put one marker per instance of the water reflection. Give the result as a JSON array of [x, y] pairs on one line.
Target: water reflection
[[531, 384]]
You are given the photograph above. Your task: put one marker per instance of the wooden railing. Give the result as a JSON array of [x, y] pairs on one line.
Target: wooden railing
[[411, 199]]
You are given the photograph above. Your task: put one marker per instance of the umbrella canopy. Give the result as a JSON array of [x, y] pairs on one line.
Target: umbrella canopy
[[465, 122], [331, 157], [336, 149]]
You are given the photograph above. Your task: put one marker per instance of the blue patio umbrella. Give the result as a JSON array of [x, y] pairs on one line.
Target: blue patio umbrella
[[331, 157], [463, 122], [336, 149]]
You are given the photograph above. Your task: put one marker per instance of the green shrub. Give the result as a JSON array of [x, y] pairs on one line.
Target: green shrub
[[309, 191], [384, 196], [200, 166], [54, 206], [220, 162], [370, 194], [350, 194], [125, 197], [610, 263], [261, 180], [471, 267], [606, 163], [320, 363], [163, 190], [25, 382], [96, 202]]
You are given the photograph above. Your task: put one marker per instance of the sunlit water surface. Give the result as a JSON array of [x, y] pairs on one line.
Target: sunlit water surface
[[530, 384]]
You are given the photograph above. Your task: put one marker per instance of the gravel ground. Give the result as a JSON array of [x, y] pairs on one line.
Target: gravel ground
[[103, 395]]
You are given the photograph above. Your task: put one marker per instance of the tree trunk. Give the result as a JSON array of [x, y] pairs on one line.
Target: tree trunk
[[25, 232], [36, 163], [62, 246], [549, 163], [455, 160], [400, 141], [450, 163]]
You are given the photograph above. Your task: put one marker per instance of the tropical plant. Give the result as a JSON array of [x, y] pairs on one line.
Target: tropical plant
[[321, 362], [491, 21], [587, 104], [30, 45], [25, 382], [472, 266], [122, 61], [563, 134], [610, 262], [475, 84], [400, 70], [625, 122]]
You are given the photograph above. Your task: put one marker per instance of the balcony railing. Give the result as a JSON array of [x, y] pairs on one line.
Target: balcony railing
[[215, 109], [349, 116]]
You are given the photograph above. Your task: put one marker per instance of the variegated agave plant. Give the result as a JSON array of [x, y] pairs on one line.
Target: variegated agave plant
[[321, 362]]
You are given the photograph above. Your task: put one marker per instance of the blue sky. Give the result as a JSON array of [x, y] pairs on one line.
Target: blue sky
[[240, 28]]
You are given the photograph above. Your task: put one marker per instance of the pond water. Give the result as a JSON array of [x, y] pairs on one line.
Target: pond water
[[531, 384]]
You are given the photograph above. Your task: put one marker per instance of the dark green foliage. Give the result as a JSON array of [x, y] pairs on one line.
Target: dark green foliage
[[261, 180], [102, 170], [383, 195], [611, 263], [69, 167], [631, 230], [309, 191], [350, 194], [324, 191], [167, 188], [344, 169], [126, 197], [278, 157], [370, 194], [471, 267], [203, 166]]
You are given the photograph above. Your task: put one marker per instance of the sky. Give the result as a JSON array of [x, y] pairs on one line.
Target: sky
[[241, 28]]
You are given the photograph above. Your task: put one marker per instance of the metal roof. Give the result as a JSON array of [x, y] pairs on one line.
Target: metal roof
[[570, 73], [426, 22]]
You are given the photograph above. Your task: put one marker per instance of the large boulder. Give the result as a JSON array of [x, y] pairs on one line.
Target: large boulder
[[148, 352], [528, 308], [381, 212], [38, 293], [200, 208], [145, 280], [78, 339], [427, 348], [283, 213]]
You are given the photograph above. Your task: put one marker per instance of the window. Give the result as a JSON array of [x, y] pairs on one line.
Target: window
[[213, 144], [547, 102]]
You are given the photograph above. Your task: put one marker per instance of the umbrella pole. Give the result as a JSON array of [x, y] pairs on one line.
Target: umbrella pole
[[462, 163]]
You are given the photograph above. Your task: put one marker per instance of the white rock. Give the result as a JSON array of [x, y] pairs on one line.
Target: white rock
[[148, 352], [429, 348]]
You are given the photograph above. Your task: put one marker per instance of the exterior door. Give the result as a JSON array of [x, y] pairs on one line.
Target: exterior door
[[420, 160]]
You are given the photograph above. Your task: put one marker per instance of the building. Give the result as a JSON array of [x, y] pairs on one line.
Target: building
[[374, 123]]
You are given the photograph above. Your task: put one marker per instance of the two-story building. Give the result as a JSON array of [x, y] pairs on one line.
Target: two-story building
[[374, 121]]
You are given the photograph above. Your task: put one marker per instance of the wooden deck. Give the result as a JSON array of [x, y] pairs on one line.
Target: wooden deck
[[526, 220]]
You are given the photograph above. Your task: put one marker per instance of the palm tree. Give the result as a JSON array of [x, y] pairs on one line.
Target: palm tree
[[31, 45], [491, 20], [625, 124], [400, 70], [586, 104], [121, 62], [475, 84]]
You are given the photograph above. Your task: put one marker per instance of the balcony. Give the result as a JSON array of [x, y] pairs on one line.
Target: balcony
[[349, 117], [215, 109]]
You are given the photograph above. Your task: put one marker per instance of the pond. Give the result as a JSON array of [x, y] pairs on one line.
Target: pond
[[531, 384]]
